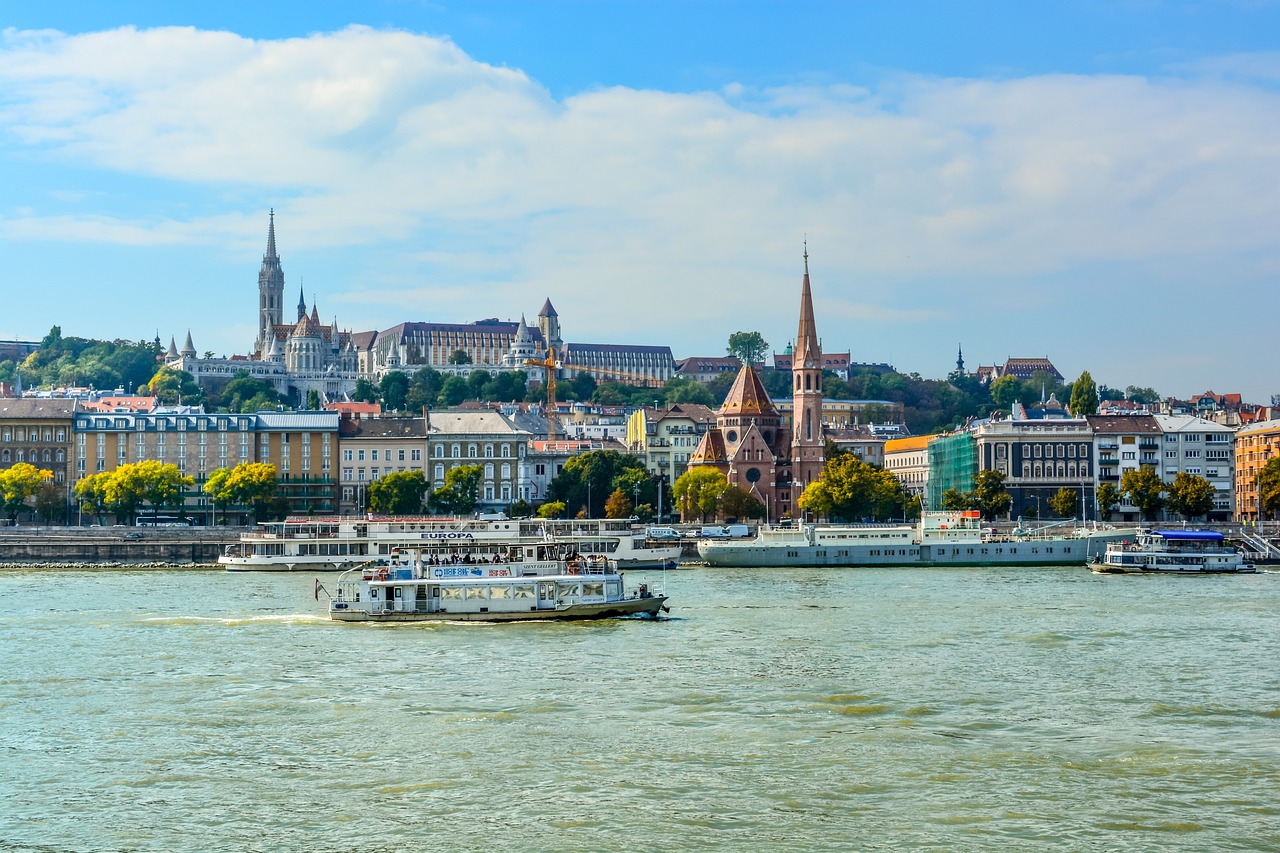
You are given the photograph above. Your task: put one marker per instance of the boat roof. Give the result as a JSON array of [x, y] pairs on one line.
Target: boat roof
[[1193, 535]]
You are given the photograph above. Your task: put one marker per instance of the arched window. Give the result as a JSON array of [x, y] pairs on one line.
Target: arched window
[[457, 451], [439, 470], [488, 451], [506, 451]]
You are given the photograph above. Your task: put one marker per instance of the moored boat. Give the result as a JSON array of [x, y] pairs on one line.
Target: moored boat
[[321, 544], [1182, 552], [523, 583], [939, 539]]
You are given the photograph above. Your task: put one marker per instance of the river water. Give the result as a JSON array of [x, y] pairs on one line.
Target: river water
[[776, 709]]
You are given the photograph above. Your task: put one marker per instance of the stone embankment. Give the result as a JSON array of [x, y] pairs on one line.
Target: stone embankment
[[113, 547]]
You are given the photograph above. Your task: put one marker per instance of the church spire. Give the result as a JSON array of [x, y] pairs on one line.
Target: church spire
[[302, 301], [808, 352], [959, 359], [271, 237], [270, 291]]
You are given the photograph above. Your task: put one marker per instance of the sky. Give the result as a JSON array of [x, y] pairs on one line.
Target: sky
[[1095, 182]]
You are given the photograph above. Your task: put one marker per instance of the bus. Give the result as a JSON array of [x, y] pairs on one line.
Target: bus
[[161, 521]]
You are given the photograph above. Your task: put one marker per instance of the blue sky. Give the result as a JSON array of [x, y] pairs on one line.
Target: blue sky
[[1095, 182]]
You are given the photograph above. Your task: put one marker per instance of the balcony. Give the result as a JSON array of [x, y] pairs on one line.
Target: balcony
[[1106, 460]]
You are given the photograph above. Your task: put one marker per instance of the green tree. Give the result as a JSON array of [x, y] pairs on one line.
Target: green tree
[[424, 389], [1063, 503], [394, 390], [1084, 396], [1268, 483], [749, 347], [989, 495], [20, 483], [850, 490], [1143, 487], [454, 390], [246, 394], [1108, 498], [1136, 394], [313, 400], [954, 500], [400, 493], [175, 386], [49, 503], [1006, 391], [459, 357], [365, 392], [737, 502], [586, 481], [681, 389], [697, 492], [460, 493], [1190, 495]]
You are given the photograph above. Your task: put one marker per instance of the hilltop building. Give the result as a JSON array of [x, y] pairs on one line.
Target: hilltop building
[[1022, 368]]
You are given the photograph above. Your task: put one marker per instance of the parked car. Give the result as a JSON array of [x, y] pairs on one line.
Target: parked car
[[737, 531], [662, 533], [131, 535], [714, 532]]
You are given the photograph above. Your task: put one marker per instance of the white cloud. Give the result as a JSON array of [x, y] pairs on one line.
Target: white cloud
[[631, 207]]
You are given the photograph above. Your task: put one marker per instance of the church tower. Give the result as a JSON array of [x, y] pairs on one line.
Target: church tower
[[549, 325], [808, 445], [270, 293]]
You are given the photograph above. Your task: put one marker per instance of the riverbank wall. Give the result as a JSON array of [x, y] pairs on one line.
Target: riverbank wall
[[110, 546]]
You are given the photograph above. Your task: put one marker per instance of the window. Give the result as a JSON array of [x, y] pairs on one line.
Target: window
[[399, 455], [506, 451], [488, 451], [373, 455], [360, 455], [457, 451], [346, 455]]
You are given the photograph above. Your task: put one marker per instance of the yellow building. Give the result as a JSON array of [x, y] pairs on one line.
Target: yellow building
[[1255, 446], [908, 460]]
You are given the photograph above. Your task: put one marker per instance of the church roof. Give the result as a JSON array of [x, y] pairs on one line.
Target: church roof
[[547, 310], [747, 396], [710, 450]]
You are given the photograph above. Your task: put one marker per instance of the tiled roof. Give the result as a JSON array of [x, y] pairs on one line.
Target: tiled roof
[[28, 407], [1124, 424], [747, 396]]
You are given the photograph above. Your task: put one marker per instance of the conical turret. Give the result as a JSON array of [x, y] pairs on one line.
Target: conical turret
[[188, 348]]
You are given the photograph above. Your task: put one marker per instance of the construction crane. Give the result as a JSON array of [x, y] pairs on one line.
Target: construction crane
[[551, 365]]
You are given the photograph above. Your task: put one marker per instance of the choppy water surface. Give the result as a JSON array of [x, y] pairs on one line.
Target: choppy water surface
[[776, 710]]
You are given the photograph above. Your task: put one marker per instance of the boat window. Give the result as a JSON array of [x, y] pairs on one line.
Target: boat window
[[596, 589], [566, 589], [500, 592], [522, 591], [451, 592], [477, 592]]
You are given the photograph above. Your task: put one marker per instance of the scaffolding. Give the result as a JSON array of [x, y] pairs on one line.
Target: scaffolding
[[953, 464]]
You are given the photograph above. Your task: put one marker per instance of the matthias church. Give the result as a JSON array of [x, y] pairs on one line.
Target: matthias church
[[306, 354]]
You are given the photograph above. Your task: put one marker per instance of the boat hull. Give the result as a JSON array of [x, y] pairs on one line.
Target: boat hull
[[650, 606], [1049, 552], [1243, 569]]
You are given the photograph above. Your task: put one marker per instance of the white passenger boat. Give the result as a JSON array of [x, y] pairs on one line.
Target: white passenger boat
[[940, 539], [335, 544], [524, 582], [1183, 552]]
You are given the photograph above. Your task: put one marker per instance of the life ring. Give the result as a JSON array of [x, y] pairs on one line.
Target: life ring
[[573, 570], [383, 574]]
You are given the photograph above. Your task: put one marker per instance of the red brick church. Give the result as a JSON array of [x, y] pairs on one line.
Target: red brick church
[[751, 445]]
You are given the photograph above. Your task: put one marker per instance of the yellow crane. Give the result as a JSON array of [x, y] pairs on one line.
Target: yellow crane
[[551, 365]]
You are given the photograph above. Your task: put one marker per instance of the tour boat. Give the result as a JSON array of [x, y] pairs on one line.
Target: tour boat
[[548, 581], [319, 544], [1184, 552], [940, 539]]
